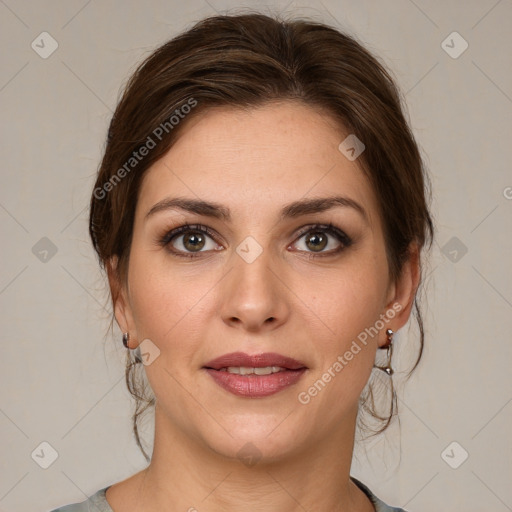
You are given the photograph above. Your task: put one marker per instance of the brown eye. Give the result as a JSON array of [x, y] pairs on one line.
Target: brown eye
[[322, 240], [316, 241], [193, 241], [189, 240]]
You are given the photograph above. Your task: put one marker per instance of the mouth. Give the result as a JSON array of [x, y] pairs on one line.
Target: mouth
[[255, 376], [247, 370]]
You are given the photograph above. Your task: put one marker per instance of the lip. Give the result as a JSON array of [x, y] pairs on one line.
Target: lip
[[255, 386], [254, 361]]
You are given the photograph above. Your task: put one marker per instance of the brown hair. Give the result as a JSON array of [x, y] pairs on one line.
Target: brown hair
[[245, 61]]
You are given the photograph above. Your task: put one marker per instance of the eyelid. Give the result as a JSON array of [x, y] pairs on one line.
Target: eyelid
[[329, 228], [170, 234], [344, 239]]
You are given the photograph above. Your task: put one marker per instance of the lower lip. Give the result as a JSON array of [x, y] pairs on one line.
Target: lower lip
[[255, 386]]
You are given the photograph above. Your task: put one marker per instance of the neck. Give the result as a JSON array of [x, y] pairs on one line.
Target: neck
[[192, 477]]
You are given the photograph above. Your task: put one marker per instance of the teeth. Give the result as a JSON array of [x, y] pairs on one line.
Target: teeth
[[244, 370]]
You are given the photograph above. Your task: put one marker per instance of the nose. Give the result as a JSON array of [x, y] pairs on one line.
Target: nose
[[254, 297]]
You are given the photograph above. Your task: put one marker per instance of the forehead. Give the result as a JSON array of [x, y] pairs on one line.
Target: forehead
[[256, 160]]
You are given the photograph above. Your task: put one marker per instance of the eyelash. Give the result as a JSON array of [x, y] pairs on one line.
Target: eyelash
[[342, 237]]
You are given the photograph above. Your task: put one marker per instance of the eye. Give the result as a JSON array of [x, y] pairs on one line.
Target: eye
[[189, 239], [319, 237]]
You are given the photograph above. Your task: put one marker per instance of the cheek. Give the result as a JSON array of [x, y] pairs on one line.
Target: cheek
[[168, 311], [158, 298], [348, 300], [347, 307], [169, 305]]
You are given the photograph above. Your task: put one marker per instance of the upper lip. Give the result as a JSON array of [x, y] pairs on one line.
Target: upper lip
[[239, 359]]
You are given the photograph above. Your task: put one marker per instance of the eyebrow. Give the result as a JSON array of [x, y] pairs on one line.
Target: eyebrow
[[289, 211]]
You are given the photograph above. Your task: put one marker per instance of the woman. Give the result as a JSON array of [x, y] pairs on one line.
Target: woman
[[260, 212]]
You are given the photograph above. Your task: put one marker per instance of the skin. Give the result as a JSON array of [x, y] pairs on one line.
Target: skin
[[254, 162]]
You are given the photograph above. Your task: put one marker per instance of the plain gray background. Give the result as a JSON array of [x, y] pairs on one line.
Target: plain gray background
[[63, 383]]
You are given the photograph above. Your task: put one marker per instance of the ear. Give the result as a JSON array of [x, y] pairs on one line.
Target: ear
[[402, 291], [121, 302]]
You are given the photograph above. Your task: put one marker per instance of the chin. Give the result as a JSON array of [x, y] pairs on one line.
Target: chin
[[256, 441]]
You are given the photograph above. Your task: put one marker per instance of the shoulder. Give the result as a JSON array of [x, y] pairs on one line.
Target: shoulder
[[98, 502], [95, 503], [379, 505]]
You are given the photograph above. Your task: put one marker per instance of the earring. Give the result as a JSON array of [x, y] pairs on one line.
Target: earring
[[126, 337], [389, 346]]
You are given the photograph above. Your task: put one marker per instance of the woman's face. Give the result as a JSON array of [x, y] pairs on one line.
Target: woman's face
[[264, 280]]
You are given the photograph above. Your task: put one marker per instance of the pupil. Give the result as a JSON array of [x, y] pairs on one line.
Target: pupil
[[318, 241], [194, 241]]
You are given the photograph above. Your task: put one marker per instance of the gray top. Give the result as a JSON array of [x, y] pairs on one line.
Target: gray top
[[98, 502]]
